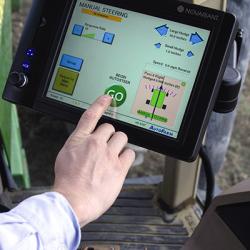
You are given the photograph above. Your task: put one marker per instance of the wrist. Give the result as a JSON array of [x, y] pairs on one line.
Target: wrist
[[75, 204]]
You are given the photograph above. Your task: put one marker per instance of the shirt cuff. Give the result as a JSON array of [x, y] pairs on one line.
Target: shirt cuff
[[52, 217]]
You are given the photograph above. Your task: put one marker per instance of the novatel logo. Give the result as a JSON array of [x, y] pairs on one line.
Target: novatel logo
[[180, 9], [199, 13]]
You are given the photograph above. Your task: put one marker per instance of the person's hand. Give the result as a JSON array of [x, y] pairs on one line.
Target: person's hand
[[92, 165]]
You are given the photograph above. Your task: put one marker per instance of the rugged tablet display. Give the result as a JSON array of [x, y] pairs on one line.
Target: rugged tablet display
[[161, 62]]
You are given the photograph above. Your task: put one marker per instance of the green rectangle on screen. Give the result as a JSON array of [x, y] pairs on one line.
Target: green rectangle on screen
[[158, 98]]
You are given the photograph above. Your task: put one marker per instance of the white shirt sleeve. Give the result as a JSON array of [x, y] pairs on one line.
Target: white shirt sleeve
[[42, 222]]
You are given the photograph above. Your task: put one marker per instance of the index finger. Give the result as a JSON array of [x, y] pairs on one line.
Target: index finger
[[92, 115]]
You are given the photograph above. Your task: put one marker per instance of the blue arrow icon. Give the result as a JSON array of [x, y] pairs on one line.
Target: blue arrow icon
[[162, 30], [190, 54], [195, 38], [158, 45]]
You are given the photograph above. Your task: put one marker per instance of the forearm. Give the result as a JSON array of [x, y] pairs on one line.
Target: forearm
[[43, 222]]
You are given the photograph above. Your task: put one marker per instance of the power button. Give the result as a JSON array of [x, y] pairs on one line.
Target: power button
[[20, 80]]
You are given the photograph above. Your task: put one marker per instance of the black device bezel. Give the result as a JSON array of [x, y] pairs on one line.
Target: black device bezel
[[203, 96]]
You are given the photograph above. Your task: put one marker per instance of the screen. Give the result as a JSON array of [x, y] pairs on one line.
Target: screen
[[147, 64]]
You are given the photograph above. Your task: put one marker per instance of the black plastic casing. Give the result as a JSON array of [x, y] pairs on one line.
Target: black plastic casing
[[45, 31]]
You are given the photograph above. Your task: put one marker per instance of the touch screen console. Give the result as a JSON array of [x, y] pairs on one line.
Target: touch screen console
[[161, 62]]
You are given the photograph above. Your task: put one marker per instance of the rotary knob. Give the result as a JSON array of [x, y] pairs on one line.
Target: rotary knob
[[20, 80]]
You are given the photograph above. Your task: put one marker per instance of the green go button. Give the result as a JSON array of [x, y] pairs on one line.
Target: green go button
[[118, 93]]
